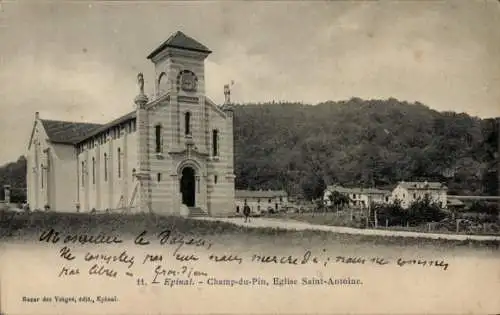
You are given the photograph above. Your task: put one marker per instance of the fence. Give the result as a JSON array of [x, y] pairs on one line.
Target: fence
[[358, 218]]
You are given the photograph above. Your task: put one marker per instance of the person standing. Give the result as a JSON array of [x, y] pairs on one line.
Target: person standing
[[246, 212]]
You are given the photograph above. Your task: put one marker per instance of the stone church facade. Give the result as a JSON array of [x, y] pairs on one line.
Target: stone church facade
[[173, 149]]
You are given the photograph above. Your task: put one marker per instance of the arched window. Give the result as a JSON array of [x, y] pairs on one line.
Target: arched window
[[162, 84], [187, 123], [158, 138], [119, 157], [215, 142], [105, 167], [93, 170]]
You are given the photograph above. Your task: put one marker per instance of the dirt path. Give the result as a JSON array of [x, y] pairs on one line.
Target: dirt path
[[291, 225]]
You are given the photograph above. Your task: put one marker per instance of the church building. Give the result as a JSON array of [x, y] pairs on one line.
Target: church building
[[171, 150]]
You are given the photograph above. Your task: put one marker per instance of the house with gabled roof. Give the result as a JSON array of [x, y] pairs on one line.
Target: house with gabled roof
[[409, 192], [358, 197], [261, 201], [169, 154]]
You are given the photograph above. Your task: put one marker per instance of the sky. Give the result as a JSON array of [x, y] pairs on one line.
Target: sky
[[78, 61]]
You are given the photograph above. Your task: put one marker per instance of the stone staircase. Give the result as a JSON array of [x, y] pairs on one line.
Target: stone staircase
[[197, 212]]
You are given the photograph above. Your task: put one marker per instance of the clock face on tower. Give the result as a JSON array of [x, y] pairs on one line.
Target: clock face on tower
[[187, 81]]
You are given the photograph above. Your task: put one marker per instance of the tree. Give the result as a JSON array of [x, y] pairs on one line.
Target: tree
[[362, 142], [424, 210], [313, 186], [338, 200]]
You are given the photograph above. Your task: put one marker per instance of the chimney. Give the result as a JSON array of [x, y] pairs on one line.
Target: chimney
[[37, 115]]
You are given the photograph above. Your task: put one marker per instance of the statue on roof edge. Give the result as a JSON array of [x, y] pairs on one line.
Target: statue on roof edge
[[140, 82]]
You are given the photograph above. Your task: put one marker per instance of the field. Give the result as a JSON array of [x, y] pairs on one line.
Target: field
[[26, 227], [357, 219], [469, 264]]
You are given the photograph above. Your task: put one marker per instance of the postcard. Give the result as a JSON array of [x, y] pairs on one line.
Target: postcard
[[252, 157]]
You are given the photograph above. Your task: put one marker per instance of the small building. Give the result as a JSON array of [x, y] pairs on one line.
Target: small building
[[409, 192], [260, 201], [358, 197]]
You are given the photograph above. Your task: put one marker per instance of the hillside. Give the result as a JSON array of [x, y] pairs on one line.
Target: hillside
[[302, 148], [14, 174]]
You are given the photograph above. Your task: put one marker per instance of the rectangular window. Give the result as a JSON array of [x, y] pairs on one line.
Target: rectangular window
[[158, 138], [158, 177], [119, 157], [187, 123], [215, 142], [105, 167], [93, 170], [215, 179]]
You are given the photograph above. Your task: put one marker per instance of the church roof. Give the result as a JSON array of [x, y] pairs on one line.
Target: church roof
[[102, 128], [181, 41], [67, 132]]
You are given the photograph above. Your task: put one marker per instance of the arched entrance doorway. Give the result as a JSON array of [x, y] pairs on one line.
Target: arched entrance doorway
[[188, 186]]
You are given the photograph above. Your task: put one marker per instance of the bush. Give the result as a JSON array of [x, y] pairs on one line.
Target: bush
[[392, 213], [421, 211], [490, 208]]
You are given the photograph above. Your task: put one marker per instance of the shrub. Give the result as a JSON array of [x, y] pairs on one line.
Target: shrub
[[423, 211], [391, 213], [484, 207], [420, 211]]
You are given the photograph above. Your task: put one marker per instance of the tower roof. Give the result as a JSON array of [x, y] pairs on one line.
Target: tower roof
[[181, 41]]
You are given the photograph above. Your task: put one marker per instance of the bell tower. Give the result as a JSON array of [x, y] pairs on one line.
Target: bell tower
[[180, 72], [179, 66]]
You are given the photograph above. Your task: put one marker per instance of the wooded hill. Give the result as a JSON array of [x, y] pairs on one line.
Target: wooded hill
[[301, 148]]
